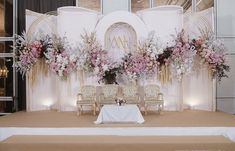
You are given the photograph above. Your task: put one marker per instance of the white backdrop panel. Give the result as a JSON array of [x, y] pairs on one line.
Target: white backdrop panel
[[61, 94], [37, 23], [193, 22], [74, 21], [164, 20]]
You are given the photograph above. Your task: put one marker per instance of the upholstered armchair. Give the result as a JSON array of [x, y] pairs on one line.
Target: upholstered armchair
[[153, 97], [130, 94], [109, 93], [87, 97]]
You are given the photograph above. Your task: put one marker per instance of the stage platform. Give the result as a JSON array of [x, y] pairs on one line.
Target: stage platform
[[216, 127], [117, 143], [188, 118]]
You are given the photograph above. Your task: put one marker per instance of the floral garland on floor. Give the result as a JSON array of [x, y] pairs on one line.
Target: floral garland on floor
[[150, 58]]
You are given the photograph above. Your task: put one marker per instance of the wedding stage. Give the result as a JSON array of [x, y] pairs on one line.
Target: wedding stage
[[169, 64], [170, 130], [54, 119], [100, 47]]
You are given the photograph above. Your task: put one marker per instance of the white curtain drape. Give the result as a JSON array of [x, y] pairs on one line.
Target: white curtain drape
[[199, 86]]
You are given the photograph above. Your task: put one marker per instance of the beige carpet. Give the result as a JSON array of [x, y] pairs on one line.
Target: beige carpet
[[117, 143], [167, 119]]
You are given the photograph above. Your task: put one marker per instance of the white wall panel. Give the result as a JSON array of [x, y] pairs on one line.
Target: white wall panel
[[225, 18], [226, 105], [230, 44], [115, 5], [226, 88], [225, 22]]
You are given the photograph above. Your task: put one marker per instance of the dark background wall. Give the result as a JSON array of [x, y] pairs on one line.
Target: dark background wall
[[40, 6]]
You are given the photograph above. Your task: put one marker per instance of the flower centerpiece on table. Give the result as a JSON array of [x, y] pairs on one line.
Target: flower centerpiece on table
[[59, 57], [182, 55], [120, 101], [29, 51], [212, 51]]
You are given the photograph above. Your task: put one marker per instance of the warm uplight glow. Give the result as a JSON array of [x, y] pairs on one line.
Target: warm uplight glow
[[79, 97], [74, 102], [192, 102], [48, 103]]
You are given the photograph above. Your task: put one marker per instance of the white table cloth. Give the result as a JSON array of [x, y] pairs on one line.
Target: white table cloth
[[120, 114]]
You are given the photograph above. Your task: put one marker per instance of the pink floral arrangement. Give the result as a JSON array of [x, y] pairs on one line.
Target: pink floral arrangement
[[151, 63], [134, 65], [91, 57], [29, 52], [96, 60], [182, 55], [100, 64], [144, 61], [37, 49], [59, 59], [62, 64], [212, 51]]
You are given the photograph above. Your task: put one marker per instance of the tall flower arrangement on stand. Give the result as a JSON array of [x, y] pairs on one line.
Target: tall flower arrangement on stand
[[150, 49], [58, 57], [96, 59], [212, 51], [29, 51], [145, 61], [182, 55]]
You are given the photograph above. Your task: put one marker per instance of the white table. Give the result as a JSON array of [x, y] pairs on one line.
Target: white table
[[120, 114]]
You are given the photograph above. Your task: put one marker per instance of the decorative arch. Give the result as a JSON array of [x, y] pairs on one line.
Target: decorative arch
[[124, 17], [122, 36]]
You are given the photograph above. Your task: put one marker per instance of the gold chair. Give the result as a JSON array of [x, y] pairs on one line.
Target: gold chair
[[87, 97], [153, 97], [108, 94], [131, 95]]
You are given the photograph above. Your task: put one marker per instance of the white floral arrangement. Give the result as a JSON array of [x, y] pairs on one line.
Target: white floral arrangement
[[29, 51], [182, 56], [94, 58], [152, 45], [58, 57], [212, 52]]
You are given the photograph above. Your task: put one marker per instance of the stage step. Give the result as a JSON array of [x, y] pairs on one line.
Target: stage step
[[116, 143]]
